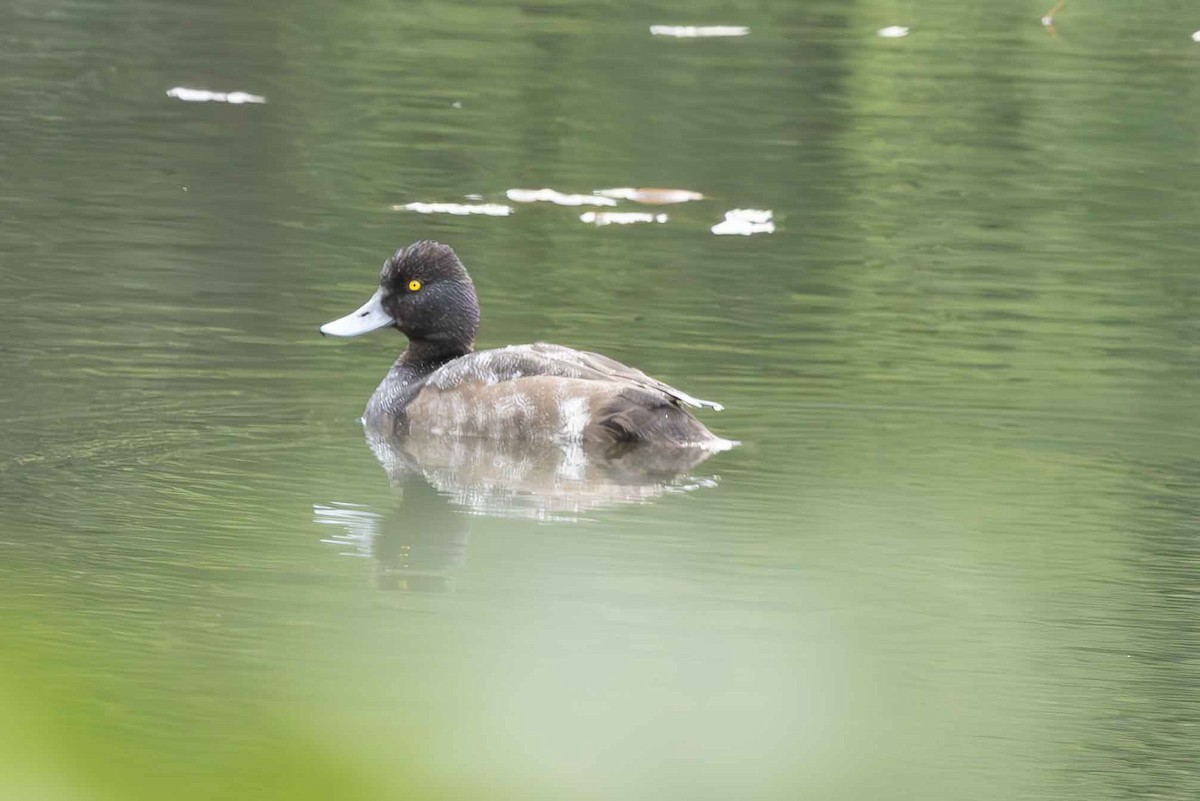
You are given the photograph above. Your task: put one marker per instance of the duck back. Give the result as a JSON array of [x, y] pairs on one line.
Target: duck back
[[542, 391]]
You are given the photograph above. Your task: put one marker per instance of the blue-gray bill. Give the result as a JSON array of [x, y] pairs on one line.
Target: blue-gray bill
[[369, 317]]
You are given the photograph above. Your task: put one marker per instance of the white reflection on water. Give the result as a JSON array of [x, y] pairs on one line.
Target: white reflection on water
[[621, 217], [693, 31], [205, 96], [488, 209], [650, 196], [417, 545], [358, 526], [744, 222], [556, 197]]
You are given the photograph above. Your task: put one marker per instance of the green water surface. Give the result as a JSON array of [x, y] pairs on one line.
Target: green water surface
[[957, 555]]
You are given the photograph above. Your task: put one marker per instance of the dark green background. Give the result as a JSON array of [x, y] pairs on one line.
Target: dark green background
[[955, 557]]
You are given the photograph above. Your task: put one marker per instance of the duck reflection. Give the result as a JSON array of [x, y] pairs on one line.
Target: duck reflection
[[417, 546], [542, 480], [441, 482]]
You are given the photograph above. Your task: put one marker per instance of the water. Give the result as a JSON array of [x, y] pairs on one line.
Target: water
[[955, 556]]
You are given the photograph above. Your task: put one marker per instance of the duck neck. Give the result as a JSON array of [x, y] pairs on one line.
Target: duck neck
[[407, 376], [423, 356]]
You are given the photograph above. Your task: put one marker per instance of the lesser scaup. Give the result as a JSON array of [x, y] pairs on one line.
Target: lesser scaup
[[439, 385]]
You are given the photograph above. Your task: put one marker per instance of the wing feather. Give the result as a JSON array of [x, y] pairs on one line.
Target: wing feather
[[541, 358]]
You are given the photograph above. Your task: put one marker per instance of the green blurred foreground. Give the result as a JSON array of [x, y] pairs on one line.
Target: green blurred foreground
[[955, 556]]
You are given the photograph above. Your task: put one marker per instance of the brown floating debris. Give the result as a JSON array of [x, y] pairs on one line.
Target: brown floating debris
[[1048, 17]]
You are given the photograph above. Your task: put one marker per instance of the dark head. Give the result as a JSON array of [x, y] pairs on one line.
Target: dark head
[[425, 292]]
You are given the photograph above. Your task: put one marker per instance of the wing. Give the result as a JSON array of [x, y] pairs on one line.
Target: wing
[[542, 359]]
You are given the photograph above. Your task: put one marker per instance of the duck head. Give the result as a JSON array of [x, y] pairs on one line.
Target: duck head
[[424, 292]]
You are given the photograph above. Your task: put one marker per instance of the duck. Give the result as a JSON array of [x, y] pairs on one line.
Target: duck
[[441, 386]]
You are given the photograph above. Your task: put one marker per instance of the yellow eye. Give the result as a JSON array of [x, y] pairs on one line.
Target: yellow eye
[[413, 286]]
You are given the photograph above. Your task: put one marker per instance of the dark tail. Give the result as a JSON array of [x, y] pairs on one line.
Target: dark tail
[[638, 416]]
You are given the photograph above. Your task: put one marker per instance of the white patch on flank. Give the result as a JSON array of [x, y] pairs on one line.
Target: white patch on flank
[[572, 418]]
